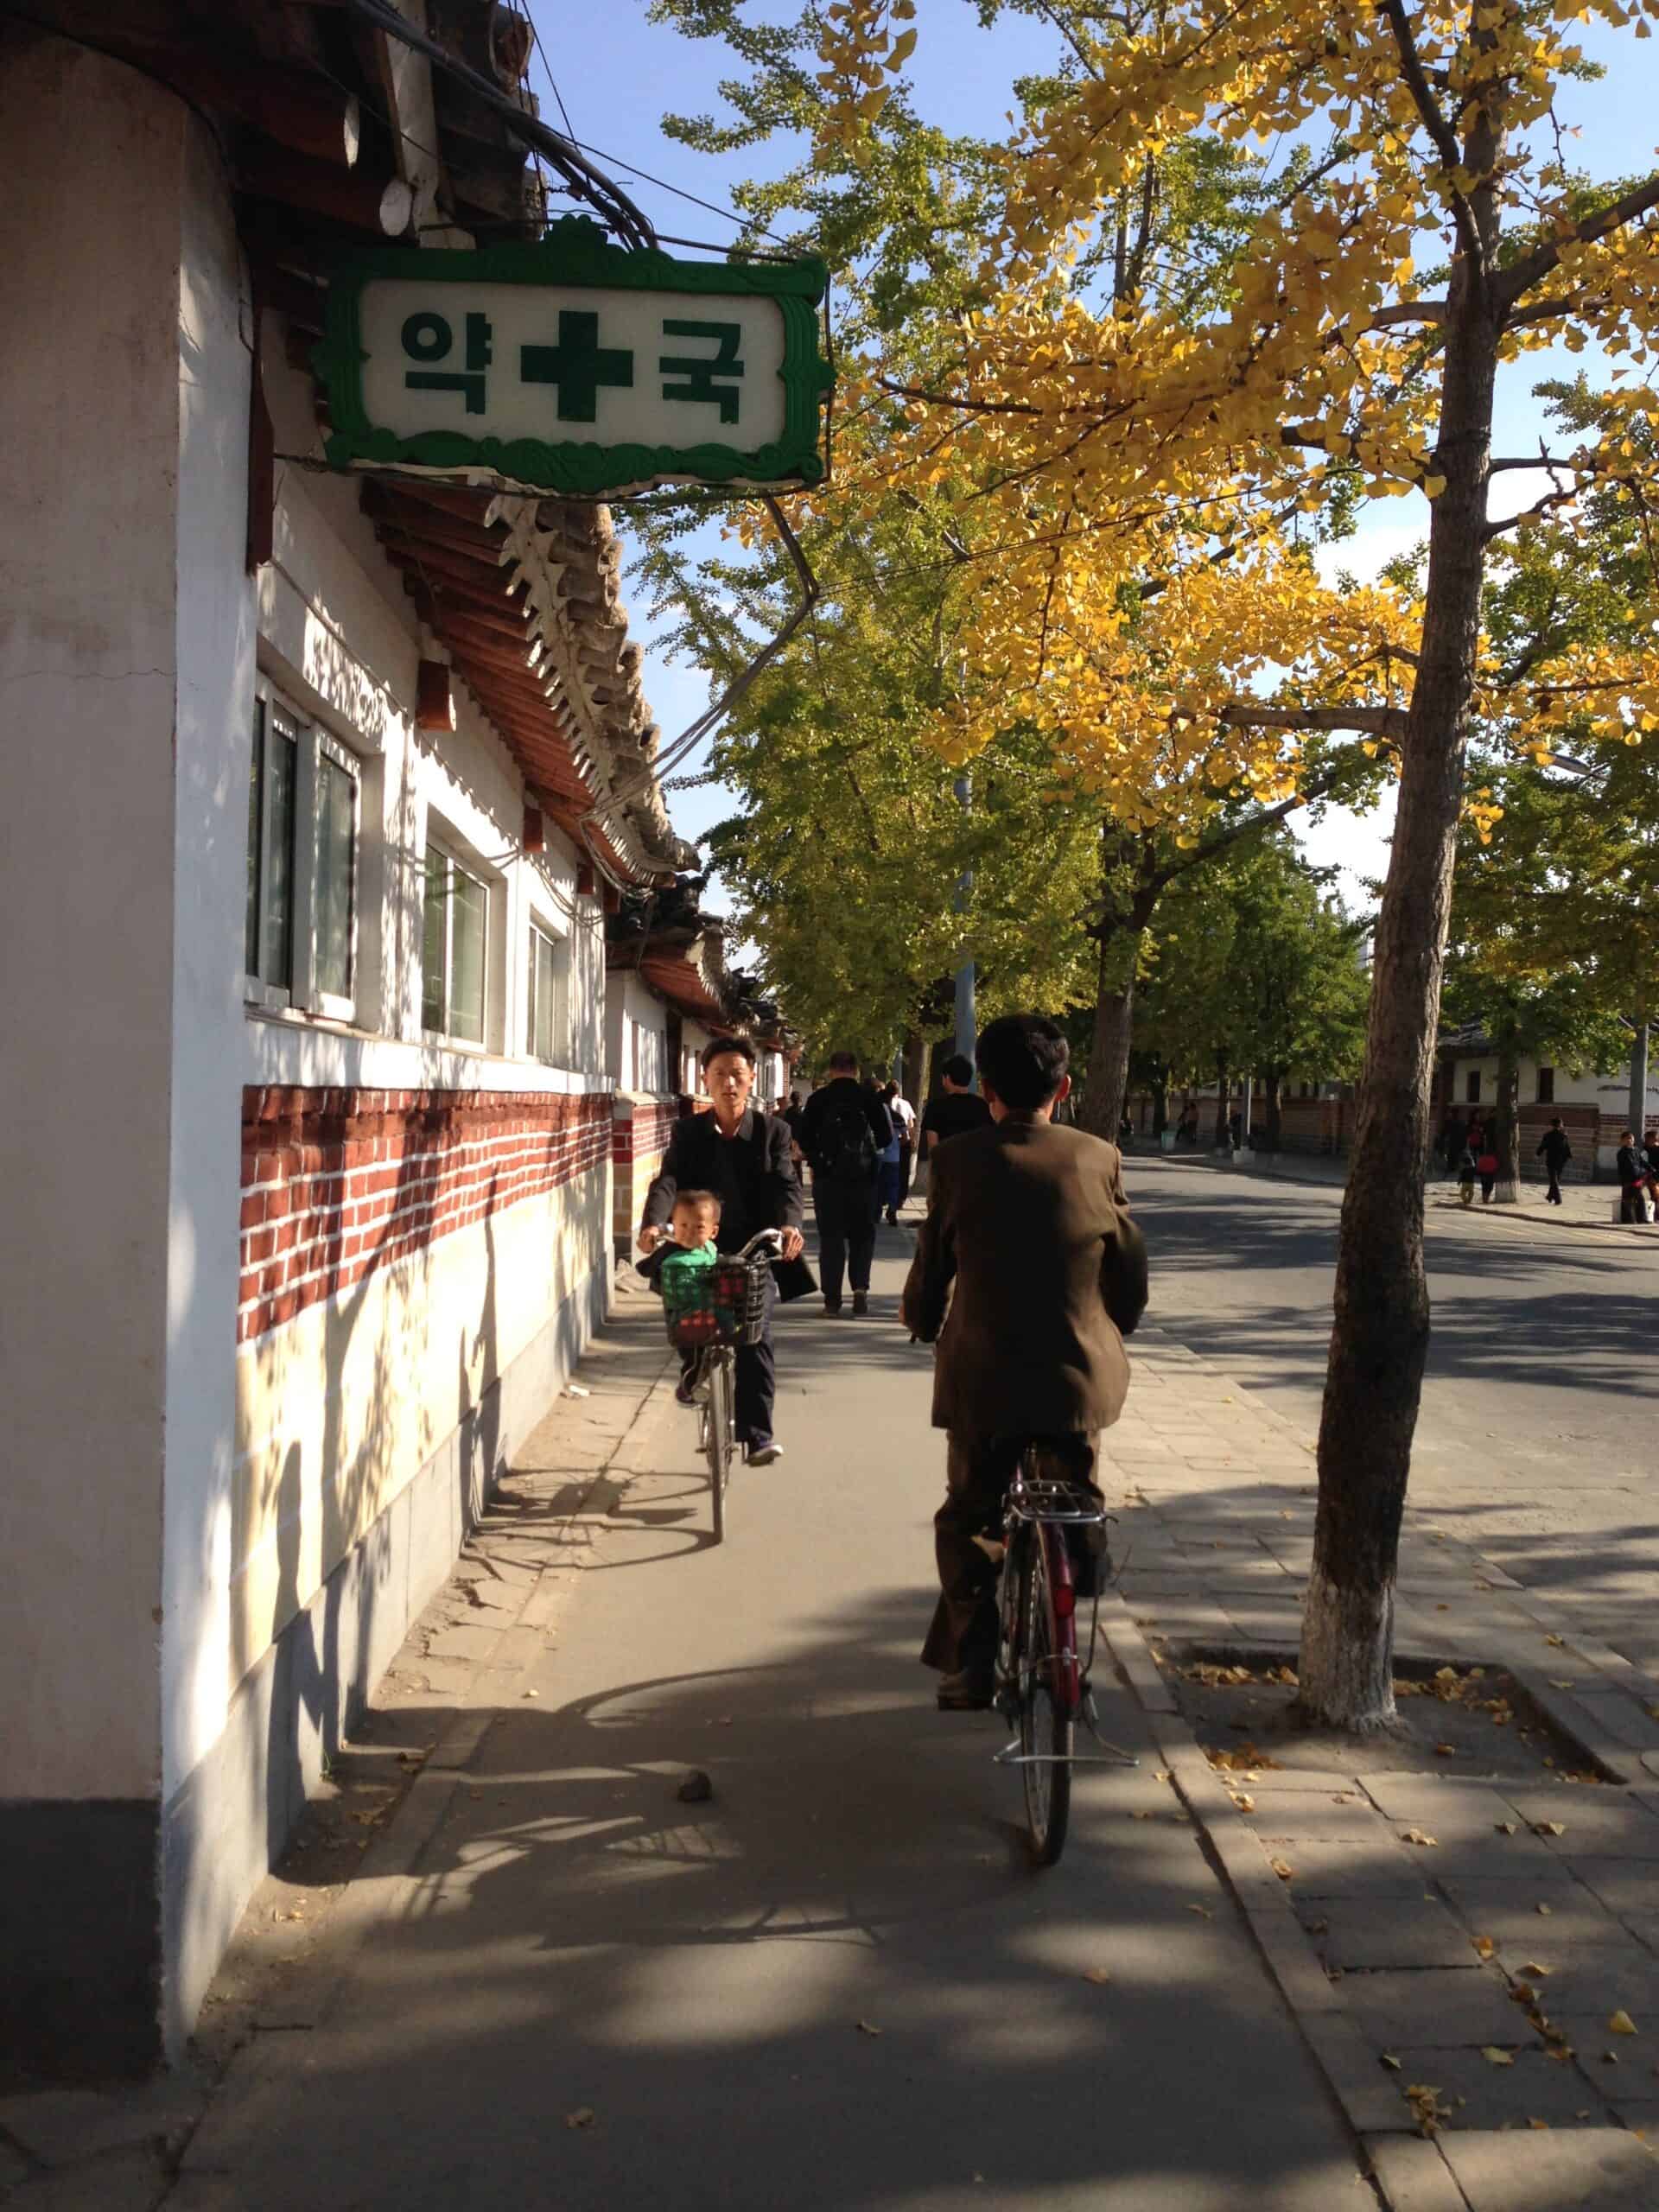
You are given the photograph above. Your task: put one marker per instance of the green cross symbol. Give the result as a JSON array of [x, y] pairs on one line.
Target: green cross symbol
[[577, 366]]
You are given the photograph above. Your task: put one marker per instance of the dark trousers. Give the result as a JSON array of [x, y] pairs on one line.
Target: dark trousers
[[845, 1207], [1631, 1205], [890, 1187], [976, 1475], [1488, 1185], [1554, 1193], [756, 1381]]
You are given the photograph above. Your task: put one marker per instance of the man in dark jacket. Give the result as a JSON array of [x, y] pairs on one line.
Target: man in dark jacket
[[742, 1155], [845, 1128], [1029, 1223], [957, 1108], [1554, 1151]]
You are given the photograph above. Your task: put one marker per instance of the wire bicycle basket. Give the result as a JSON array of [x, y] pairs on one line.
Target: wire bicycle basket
[[722, 1305]]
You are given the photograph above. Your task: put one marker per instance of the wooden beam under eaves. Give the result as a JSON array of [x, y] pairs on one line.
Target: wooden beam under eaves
[[377, 206]]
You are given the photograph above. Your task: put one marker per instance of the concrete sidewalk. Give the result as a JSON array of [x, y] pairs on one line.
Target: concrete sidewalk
[[829, 1979], [1451, 1932]]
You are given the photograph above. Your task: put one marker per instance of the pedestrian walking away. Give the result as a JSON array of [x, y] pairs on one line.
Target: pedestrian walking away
[[903, 1122], [1029, 1237], [1486, 1168], [1555, 1150], [844, 1131], [741, 1158], [956, 1110], [889, 1173], [1632, 1183], [1650, 1167]]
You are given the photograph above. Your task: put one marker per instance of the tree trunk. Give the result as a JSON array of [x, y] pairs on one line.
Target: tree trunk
[[1223, 1134], [914, 1082], [1272, 1091], [1109, 1056], [1379, 1338], [1506, 1124]]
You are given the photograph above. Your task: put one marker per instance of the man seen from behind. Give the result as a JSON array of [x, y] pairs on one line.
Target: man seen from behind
[[844, 1131], [1028, 1235]]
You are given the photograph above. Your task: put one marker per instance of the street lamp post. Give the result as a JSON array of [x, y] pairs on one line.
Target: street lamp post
[[967, 1027]]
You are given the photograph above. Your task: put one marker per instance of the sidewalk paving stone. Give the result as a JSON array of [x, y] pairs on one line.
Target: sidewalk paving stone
[[1390, 1932], [1581, 2171], [1436, 2007], [1483, 2096]]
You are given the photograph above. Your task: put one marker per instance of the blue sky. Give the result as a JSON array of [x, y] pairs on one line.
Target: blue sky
[[618, 75]]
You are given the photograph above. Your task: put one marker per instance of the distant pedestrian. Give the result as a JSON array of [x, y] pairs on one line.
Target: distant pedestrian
[[1632, 1184], [1486, 1168], [1465, 1171], [844, 1131], [957, 1110], [1452, 1140], [904, 1121], [1554, 1151], [888, 1170], [1651, 1165]]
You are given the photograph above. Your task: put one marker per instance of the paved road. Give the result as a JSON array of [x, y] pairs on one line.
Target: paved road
[[1540, 1430], [838, 1985]]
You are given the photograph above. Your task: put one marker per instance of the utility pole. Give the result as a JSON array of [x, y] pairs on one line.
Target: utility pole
[[1638, 1098], [967, 1026]]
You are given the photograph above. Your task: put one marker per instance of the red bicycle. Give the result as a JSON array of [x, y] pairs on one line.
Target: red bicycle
[[1042, 1684]]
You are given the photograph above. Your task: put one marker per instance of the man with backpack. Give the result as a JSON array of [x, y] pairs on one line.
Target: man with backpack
[[844, 1131]]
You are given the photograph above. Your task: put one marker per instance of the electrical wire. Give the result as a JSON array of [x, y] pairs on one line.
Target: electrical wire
[[589, 182]]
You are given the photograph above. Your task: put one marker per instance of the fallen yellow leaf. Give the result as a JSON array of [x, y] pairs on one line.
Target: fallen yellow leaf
[[1542, 2125], [1494, 2056], [1536, 1973], [1096, 1974], [1545, 1912], [1417, 1836], [1548, 1828], [866, 2028], [1484, 1945], [1445, 1751], [583, 2116], [1202, 1911], [1557, 1641], [1390, 2061], [1505, 1827], [1621, 2024], [1282, 1868]]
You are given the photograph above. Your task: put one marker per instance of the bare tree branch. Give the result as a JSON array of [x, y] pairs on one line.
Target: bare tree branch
[[1374, 722]]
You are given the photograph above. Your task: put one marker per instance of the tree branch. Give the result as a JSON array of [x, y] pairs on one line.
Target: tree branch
[[1445, 144], [1408, 311], [1388, 722], [1525, 273]]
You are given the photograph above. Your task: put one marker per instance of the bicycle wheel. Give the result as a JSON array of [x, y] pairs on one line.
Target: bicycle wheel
[[717, 1437], [1046, 1702]]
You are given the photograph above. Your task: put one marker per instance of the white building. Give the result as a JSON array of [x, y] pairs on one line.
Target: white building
[[1594, 1106], [308, 1118]]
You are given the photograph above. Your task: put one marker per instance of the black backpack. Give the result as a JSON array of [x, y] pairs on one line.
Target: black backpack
[[845, 1148]]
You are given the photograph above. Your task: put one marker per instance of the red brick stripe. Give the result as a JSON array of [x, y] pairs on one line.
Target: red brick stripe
[[645, 1134], [338, 1183]]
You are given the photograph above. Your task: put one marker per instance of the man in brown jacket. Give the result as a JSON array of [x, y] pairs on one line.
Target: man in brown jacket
[[1029, 1222]]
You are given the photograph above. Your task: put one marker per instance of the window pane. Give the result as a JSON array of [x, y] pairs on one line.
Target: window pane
[[282, 758], [432, 939], [468, 907], [543, 995], [336, 813], [250, 936]]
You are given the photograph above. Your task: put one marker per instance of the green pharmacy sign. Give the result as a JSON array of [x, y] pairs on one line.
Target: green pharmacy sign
[[573, 367]]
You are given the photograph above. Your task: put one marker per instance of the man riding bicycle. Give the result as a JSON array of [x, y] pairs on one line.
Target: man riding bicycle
[[1029, 1222], [740, 1156]]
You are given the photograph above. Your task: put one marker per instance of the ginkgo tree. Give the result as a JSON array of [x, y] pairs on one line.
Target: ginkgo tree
[[1136, 424]]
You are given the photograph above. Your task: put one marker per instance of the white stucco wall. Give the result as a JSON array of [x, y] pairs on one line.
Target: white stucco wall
[[89, 394]]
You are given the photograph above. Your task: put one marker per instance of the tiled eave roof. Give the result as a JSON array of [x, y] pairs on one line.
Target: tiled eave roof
[[678, 980], [525, 596]]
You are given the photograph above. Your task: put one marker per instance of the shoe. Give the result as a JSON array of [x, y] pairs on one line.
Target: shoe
[[832, 1309], [970, 1689], [685, 1391], [860, 1303], [893, 1221], [761, 1451]]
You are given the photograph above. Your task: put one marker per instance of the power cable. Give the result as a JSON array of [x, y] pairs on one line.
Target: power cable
[[589, 182]]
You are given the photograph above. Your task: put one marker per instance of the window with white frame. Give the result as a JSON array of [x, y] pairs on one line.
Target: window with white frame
[[303, 818], [454, 945], [545, 1022]]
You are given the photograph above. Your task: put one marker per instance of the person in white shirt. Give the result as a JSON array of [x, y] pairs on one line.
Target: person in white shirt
[[904, 1127]]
